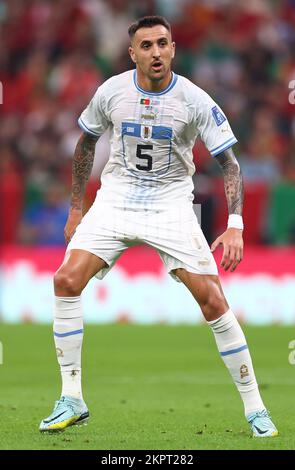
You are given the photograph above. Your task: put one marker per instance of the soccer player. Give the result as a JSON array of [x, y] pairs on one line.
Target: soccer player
[[154, 117]]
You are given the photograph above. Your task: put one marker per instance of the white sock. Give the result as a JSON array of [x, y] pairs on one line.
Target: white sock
[[68, 337], [231, 344]]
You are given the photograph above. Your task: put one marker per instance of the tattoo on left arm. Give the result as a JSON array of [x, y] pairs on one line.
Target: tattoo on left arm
[[233, 181]]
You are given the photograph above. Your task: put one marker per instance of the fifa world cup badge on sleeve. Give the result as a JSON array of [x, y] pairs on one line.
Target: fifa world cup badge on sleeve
[[219, 118]]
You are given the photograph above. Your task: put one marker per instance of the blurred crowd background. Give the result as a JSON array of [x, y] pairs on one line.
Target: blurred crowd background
[[54, 54]]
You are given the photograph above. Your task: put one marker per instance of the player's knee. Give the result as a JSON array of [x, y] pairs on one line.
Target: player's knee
[[214, 305], [66, 283]]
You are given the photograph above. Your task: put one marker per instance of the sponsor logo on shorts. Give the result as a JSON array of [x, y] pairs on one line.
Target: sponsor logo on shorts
[[204, 262]]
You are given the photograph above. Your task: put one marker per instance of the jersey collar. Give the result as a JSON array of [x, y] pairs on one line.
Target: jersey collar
[[169, 87]]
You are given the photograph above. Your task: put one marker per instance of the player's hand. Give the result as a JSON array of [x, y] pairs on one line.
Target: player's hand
[[232, 241], [74, 218]]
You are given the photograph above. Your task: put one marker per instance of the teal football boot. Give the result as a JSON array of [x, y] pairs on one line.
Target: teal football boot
[[262, 425], [67, 411]]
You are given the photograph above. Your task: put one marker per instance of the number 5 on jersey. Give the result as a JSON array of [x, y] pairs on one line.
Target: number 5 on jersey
[[145, 157], [146, 152]]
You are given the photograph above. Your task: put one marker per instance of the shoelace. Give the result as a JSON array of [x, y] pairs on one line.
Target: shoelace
[[61, 402], [260, 414]]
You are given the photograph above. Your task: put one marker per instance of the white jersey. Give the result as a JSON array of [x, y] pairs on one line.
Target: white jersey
[[152, 136]]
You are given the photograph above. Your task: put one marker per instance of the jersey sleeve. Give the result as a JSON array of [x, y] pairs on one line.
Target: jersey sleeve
[[93, 119], [213, 126]]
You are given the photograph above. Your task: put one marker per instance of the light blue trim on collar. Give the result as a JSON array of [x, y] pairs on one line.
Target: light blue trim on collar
[[169, 87]]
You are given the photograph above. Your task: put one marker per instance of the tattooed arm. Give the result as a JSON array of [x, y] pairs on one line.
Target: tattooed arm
[[231, 239], [233, 182], [82, 166]]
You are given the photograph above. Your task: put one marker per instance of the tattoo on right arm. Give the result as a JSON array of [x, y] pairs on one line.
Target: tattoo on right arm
[[82, 166]]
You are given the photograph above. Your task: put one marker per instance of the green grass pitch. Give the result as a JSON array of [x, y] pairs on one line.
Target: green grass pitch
[[147, 387]]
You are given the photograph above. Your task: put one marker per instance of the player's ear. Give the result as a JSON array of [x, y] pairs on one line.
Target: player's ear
[[132, 54], [173, 49]]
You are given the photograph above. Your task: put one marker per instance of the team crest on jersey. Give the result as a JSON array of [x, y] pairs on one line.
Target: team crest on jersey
[[146, 132], [219, 118]]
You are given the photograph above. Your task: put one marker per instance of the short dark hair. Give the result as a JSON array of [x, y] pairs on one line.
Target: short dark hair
[[148, 22]]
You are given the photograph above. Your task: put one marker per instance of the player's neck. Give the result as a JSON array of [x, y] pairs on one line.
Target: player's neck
[[152, 85]]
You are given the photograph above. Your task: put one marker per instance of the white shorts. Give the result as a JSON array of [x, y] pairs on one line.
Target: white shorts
[[174, 232]]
